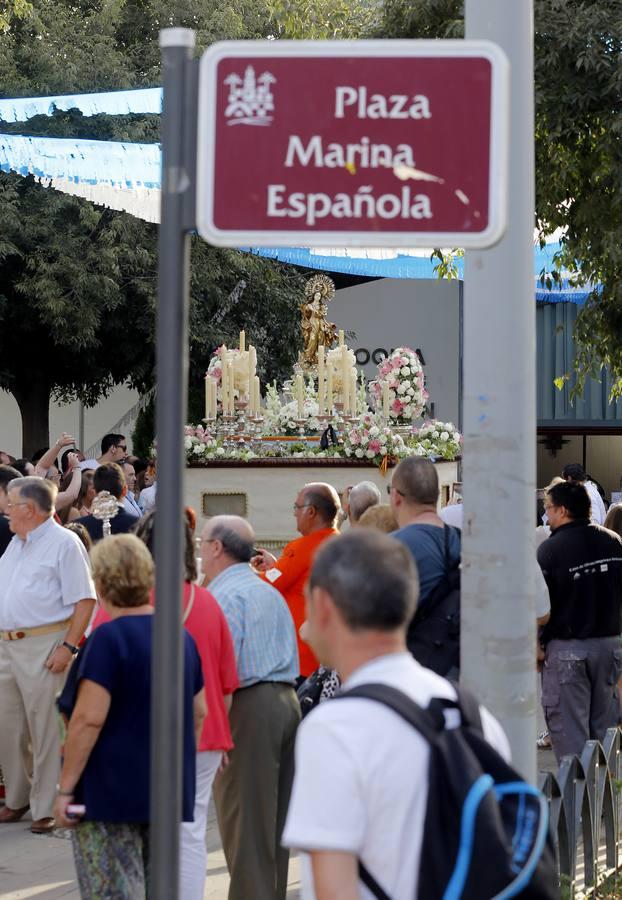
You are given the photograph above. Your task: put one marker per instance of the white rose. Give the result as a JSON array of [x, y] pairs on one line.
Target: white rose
[[435, 434], [444, 436], [410, 391], [369, 454], [374, 431], [198, 449], [405, 370], [359, 453], [220, 451], [401, 388]]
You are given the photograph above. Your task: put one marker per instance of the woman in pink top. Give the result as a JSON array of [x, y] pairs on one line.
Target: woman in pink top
[[204, 619]]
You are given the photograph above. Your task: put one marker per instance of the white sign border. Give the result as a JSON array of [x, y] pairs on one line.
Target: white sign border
[[499, 144]]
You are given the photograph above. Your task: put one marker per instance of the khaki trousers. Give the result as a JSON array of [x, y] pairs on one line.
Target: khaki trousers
[[28, 722], [252, 794]]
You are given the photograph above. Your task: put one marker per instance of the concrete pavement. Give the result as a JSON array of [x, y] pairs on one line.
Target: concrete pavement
[[41, 867]]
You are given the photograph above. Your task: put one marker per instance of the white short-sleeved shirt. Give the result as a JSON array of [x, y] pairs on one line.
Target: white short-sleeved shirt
[[453, 514], [361, 778], [89, 464], [43, 577]]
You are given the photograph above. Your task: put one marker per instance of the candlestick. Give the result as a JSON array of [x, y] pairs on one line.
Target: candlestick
[[230, 386], [300, 395], [320, 379], [252, 368], [344, 376], [353, 392], [385, 400], [242, 341], [329, 389], [341, 342]]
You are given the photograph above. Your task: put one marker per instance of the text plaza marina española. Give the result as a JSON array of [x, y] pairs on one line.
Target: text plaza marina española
[[338, 143]]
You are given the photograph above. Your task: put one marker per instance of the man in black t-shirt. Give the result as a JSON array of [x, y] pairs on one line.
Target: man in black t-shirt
[[582, 566], [7, 474]]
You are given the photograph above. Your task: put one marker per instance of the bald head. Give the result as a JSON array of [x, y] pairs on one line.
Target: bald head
[[362, 496], [234, 533], [324, 500]]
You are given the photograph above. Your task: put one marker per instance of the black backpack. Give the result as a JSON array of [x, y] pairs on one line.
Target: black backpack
[[433, 636], [486, 832]]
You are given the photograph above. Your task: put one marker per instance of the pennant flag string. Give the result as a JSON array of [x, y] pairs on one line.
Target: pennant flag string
[[114, 103]]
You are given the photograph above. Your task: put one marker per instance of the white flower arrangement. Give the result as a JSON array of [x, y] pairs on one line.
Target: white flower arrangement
[[438, 439], [370, 439], [280, 418], [403, 373]]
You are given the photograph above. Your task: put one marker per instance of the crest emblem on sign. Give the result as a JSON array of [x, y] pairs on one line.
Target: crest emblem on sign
[[250, 100]]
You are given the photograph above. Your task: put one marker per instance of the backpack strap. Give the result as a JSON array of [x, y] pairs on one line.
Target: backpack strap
[[468, 705], [426, 721]]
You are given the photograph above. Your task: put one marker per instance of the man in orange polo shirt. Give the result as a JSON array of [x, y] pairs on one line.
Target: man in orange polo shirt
[[315, 510]]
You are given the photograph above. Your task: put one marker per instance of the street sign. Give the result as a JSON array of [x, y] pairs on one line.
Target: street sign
[[352, 143]]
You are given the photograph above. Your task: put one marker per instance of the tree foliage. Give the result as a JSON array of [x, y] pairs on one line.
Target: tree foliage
[[578, 86], [78, 281]]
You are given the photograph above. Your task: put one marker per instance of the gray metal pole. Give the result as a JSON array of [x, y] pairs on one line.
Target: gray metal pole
[[498, 617], [172, 374]]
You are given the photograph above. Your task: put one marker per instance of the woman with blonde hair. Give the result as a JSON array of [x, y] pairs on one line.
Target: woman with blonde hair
[[106, 753]]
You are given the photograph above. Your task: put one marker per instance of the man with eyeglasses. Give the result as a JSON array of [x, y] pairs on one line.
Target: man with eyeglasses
[[47, 597], [316, 510], [114, 449], [252, 793]]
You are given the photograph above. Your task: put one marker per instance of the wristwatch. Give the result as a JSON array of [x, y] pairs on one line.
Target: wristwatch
[[73, 650]]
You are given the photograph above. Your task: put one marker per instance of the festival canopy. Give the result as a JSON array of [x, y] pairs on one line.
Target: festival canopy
[[126, 176]]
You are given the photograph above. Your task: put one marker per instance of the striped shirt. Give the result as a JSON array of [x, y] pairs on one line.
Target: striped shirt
[[264, 637]]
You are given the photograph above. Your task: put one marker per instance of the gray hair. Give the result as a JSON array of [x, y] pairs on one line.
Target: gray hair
[[362, 496], [371, 578], [234, 545], [39, 490]]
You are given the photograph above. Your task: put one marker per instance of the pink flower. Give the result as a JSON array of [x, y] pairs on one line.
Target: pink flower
[[397, 406], [374, 445], [355, 438]]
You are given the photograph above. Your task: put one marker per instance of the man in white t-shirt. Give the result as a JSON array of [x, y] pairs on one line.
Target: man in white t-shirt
[[361, 784], [575, 474]]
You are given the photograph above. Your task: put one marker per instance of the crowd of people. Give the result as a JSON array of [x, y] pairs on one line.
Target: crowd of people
[[353, 600]]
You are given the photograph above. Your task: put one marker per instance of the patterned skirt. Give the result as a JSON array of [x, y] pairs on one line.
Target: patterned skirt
[[112, 860]]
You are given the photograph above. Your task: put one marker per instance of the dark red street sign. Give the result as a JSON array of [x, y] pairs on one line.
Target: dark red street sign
[[339, 143]]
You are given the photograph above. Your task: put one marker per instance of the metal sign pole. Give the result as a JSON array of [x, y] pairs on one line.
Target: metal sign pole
[[498, 583], [172, 375]]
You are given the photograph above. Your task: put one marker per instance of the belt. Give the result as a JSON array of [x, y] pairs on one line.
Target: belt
[[21, 633]]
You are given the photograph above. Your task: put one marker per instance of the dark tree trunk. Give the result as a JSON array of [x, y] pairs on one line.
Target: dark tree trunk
[[33, 400]]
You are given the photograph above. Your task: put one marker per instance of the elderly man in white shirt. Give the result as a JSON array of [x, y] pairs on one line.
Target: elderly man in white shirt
[[46, 601]]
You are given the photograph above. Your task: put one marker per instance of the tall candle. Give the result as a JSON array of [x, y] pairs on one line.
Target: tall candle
[[341, 337], [257, 395], [385, 400], [214, 403], [321, 396], [329, 389], [207, 396], [353, 392], [223, 381], [230, 386], [252, 368], [242, 341], [345, 372]]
